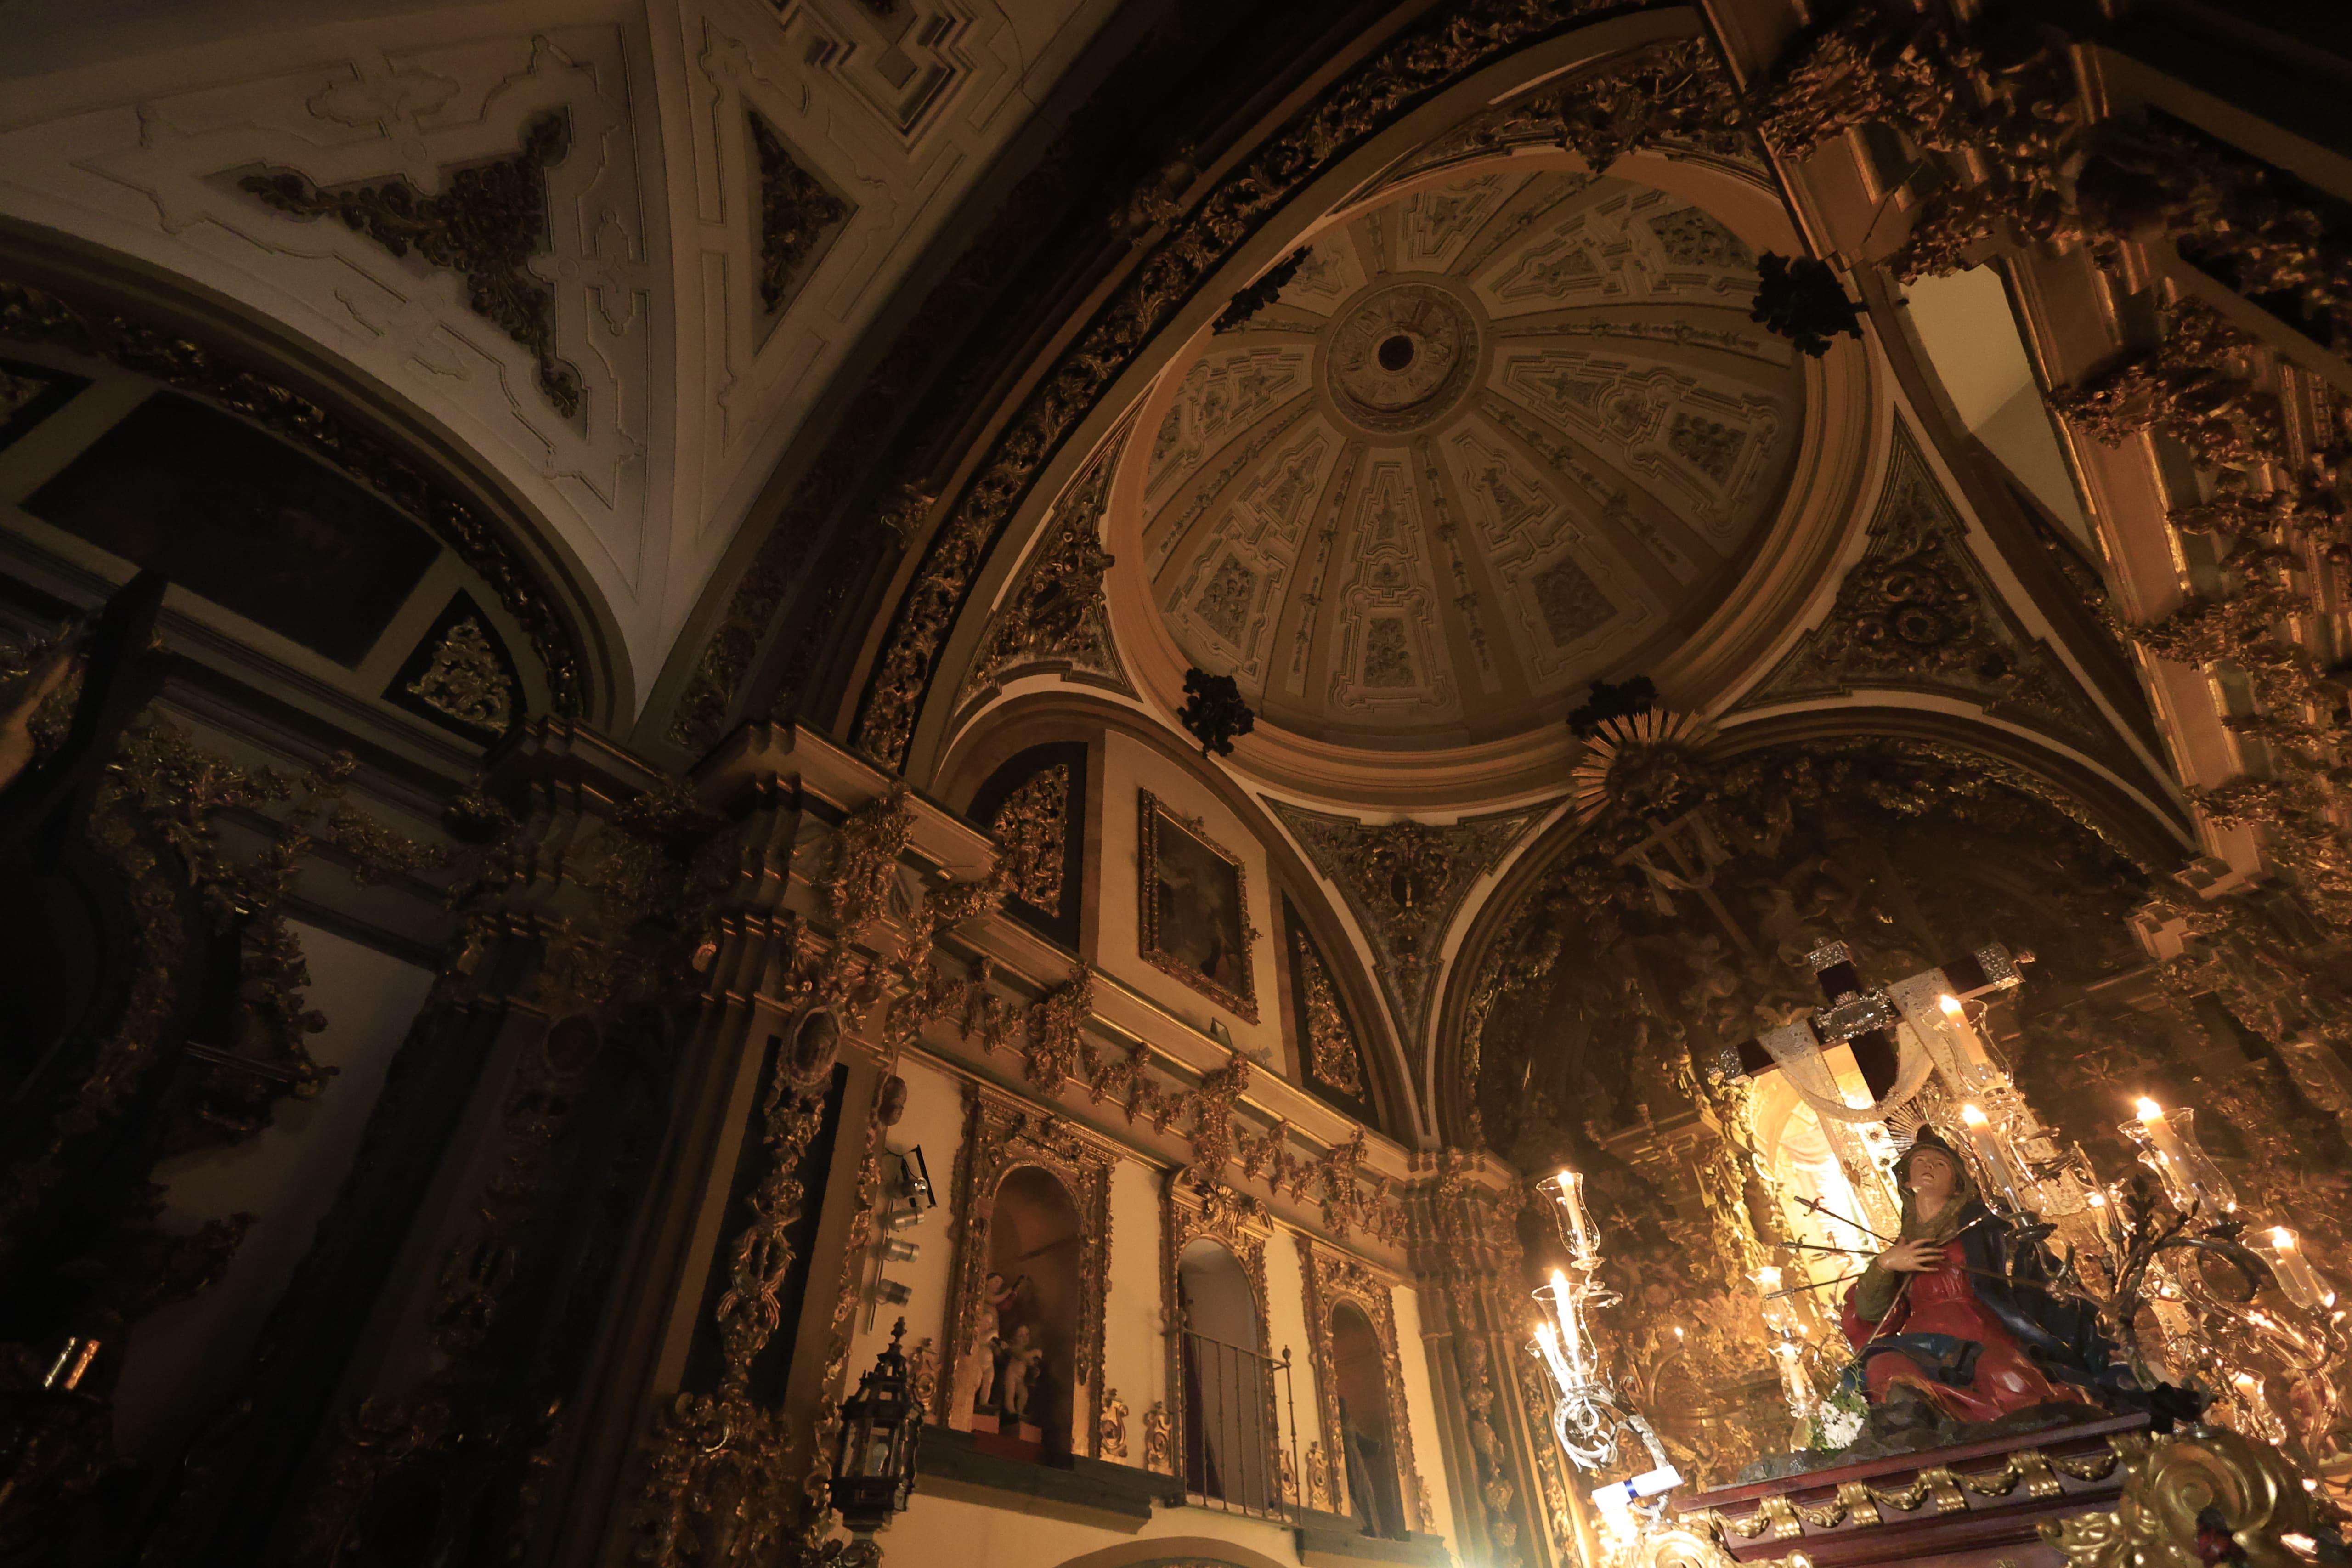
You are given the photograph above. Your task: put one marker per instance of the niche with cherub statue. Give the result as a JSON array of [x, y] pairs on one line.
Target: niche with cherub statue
[[1034, 1198]]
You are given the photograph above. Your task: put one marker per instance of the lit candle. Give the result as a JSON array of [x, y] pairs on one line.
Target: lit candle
[[2168, 1147], [2295, 1275], [1992, 1157], [1584, 1238], [1778, 1315], [1577, 1353]]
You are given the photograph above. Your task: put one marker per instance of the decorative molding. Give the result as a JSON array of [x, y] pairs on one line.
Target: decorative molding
[[1003, 1134], [1158, 818], [190, 365], [1447, 45], [1331, 1277], [1917, 612], [1056, 619], [797, 211], [465, 680], [1193, 1208], [1333, 1055], [487, 223], [1404, 881], [1033, 824]]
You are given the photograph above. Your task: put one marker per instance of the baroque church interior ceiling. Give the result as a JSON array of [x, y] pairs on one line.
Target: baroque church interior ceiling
[[1259, 624]]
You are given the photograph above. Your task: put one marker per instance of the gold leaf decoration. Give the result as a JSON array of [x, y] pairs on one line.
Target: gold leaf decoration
[[465, 679], [1033, 825]]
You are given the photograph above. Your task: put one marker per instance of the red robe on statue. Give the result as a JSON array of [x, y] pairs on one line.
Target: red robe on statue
[[2002, 1377]]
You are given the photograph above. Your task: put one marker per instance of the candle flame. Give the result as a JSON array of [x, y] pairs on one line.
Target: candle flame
[[2096, 1200], [1951, 1004], [1769, 1278], [1972, 1116], [2149, 1111], [2282, 1238]]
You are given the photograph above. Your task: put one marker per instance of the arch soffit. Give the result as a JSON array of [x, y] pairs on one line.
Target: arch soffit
[[2122, 817], [237, 345], [1057, 713], [1825, 470]]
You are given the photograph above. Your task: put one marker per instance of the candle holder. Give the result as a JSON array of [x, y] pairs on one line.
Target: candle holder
[[2167, 1146], [1578, 1232]]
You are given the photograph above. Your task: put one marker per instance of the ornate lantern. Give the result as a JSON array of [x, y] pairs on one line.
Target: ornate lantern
[[874, 1468]]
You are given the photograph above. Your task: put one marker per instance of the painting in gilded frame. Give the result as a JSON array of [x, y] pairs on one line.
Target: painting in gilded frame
[[1195, 914]]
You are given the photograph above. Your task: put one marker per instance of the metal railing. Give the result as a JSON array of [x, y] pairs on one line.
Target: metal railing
[[1231, 1448]]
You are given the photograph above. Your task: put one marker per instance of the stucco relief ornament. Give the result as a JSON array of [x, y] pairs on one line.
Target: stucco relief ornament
[[485, 224]]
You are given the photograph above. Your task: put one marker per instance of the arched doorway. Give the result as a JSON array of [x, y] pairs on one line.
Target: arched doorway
[[1033, 1246], [1368, 1456], [1226, 1451]]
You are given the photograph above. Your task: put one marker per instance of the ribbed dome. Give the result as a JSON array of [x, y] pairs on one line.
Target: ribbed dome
[[1494, 439]]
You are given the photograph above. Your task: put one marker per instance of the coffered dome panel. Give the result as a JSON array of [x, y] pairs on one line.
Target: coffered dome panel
[[1494, 439]]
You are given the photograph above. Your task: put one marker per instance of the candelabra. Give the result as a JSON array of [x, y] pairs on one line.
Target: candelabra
[[2187, 1263], [1587, 1418]]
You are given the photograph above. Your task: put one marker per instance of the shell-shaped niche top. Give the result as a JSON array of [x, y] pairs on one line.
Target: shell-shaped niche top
[[1496, 438]]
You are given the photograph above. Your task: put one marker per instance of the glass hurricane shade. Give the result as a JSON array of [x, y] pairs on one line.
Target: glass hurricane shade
[[874, 1463]]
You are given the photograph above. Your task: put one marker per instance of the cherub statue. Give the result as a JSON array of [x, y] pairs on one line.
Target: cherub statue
[[976, 1366], [1017, 1377], [1113, 1431]]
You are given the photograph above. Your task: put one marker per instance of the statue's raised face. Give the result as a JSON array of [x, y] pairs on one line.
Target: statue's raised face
[[1933, 1179]]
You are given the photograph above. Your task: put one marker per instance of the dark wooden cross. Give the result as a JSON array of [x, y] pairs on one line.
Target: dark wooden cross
[[1865, 1020]]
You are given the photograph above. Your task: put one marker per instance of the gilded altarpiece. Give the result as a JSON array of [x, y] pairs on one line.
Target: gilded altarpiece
[[1332, 1278], [1002, 1135]]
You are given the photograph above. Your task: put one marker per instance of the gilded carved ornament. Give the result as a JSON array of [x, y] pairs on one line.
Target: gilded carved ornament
[[795, 212], [1404, 882], [465, 680], [1055, 619], [1033, 826]]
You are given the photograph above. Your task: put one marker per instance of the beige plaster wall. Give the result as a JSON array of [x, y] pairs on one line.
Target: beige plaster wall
[[1421, 1416]]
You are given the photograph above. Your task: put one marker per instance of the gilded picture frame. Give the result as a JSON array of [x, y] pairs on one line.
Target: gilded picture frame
[[1193, 920]]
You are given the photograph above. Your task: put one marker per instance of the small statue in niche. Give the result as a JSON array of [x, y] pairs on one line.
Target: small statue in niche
[[1016, 1376], [1158, 1454], [977, 1365], [1112, 1434]]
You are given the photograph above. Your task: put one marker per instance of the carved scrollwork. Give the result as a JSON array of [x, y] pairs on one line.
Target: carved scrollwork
[[2173, 1487], [795, 212]]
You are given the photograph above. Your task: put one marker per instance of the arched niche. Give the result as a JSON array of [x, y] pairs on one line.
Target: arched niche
[[1033, 1207], [1366, 1443], [1224, 1398]]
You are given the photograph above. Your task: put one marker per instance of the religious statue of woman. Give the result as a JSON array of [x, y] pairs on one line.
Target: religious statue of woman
[[1953, 1321]]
